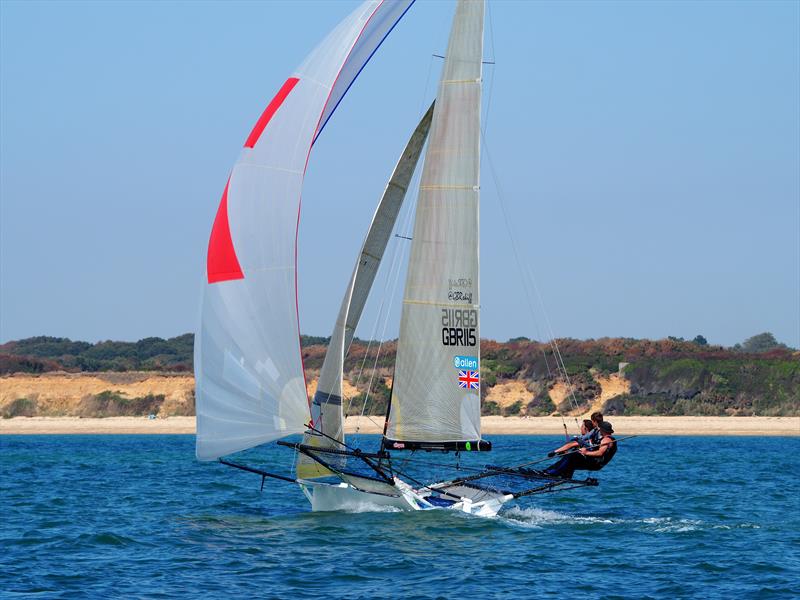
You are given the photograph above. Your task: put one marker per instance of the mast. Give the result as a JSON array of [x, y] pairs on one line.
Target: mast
[[436, 392]]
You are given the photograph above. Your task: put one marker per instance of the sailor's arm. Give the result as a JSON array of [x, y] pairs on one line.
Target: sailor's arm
[[601, 449], [565, 447]]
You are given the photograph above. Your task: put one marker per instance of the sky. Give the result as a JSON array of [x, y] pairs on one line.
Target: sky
[[646, 156]]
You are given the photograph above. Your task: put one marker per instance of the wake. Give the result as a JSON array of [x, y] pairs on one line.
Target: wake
[[537, 518]]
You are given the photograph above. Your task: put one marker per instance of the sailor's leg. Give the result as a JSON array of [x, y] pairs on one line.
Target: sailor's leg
[[557, 467], [564, 467], [585, 463]]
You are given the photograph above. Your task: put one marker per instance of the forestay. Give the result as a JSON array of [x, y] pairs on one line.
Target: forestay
[[436, 394], [326, 407], [250, 383]]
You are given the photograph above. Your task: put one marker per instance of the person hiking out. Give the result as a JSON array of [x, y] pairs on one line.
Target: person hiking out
[[586, 459]]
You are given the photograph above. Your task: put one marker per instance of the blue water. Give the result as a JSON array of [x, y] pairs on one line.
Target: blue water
[[121, 516]]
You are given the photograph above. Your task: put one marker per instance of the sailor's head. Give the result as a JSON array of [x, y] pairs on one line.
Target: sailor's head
[[586, 426], [597, 418], [605, 428]]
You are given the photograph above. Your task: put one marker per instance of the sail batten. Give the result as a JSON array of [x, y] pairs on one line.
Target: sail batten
[[436, 392]]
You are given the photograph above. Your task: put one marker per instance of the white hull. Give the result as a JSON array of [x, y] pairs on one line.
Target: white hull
[[345, 497]]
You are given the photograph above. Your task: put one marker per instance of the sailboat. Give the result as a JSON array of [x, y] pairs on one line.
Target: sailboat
[[250, 382]]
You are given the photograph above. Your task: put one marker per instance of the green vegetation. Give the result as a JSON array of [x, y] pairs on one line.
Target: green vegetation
[[41, 354], [377, 399], [729, 385], [673, 376], [541, 405], [489, 408], [21, 407], [763, 342], [113, 404]]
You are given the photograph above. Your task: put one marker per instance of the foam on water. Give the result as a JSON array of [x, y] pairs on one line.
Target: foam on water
[[539, 518], [368, 507], [183, 529]]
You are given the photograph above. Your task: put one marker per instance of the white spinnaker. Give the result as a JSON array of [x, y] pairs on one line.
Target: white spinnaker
[[439, 347], [250, 385], [326, 408]]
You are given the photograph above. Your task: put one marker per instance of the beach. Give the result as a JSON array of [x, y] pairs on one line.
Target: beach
[[757, 426]]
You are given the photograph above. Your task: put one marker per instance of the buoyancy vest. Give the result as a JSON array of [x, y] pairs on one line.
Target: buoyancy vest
[[609, 453]]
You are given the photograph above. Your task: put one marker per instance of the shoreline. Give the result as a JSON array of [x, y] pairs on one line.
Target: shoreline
[[672, 426]]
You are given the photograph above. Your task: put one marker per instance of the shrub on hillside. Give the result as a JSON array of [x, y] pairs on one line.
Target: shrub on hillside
[[113, 404], [21, 407]]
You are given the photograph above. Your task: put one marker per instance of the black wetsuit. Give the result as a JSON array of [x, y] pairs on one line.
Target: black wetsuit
[[568, 464]]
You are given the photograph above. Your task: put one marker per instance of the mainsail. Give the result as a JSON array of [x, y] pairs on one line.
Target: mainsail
[[250, 385], [436, 393], [326, 408]]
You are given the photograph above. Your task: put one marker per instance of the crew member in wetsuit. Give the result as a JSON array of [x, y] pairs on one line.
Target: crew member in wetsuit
[[590, 435], [584, 440], [586, 459], [597, 418]]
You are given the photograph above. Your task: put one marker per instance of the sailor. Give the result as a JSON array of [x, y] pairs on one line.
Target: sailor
[[586, 459], [590, 435], [597, 418], [584, 440]]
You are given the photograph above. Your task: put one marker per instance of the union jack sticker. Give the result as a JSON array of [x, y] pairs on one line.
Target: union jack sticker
[[469, 380]]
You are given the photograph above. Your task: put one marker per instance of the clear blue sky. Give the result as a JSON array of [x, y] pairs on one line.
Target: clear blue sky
[[648, 153]]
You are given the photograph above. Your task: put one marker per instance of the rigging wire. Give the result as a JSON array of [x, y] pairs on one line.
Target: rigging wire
[[398, 258], [527, 274], [483, 131], [395, 271], [549, 332], [382, 318], [484, 128], [485, 122], [394, 267], [373, 337]]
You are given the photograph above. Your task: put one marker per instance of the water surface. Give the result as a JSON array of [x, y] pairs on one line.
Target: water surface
[[120, 516]]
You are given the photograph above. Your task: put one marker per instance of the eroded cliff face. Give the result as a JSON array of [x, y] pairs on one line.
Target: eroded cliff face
[[540, 398], [96, 394], [649, 386], [113, 394]]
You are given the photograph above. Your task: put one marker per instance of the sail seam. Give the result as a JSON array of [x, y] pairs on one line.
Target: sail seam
[[250, 165], [470, 188], [446, 304], [276, 268]]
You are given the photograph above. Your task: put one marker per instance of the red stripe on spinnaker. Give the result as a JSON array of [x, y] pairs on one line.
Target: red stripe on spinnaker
[[222, 264], [271, 109]]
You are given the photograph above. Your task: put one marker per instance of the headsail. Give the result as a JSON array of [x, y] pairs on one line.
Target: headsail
[[326, 408], [436, 393], [250, 385]]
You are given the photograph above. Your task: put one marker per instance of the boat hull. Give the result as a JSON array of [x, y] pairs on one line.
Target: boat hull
[[344, 497]]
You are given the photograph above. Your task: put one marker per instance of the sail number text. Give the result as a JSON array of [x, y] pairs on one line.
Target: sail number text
[[459, 326]]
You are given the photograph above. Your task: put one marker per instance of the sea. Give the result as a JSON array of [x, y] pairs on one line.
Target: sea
[[115, 516]]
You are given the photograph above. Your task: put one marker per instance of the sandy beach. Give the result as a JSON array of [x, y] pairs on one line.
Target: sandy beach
[[761, 426]]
